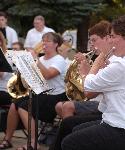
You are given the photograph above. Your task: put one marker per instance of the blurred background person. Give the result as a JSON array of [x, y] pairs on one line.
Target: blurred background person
[[5, 98], [35, 34], [8, 32], [17, 46]]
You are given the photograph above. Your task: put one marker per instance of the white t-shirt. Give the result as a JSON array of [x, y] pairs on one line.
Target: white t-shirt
[[11, 36], [34, 37], [111, 82], [4, 81], [56, 83], [68, 62]]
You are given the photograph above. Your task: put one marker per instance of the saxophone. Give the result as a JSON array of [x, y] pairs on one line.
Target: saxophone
[[73, 80]]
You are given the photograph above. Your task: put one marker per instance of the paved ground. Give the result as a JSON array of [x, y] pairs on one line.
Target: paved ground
[[19, 139]]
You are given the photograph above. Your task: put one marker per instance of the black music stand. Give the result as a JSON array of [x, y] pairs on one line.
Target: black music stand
[[4, 65]]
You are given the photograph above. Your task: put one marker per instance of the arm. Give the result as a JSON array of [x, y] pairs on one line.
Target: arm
[[85, 69], [98, 64], [106, 79], [47, 73], [91, 95]]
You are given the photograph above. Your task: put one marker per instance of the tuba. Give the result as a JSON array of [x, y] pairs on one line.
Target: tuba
[[16, 87], [73, 80]]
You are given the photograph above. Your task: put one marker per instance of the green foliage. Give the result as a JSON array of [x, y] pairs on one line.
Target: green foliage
[[61, 14]]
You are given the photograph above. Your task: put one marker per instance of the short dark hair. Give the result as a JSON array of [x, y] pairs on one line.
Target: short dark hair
[[3, 14], [101, 29], [118, 25]]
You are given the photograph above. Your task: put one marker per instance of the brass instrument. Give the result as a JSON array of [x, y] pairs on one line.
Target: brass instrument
[[73, 80], [16, 88], [38, 48], [15, 84]]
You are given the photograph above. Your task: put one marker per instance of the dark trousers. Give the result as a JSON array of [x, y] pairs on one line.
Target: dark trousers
[[5, 98], [69, 123], [95, 137]]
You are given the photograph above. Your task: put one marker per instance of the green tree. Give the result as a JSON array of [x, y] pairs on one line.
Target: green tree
[[63, 14], [60, 15]]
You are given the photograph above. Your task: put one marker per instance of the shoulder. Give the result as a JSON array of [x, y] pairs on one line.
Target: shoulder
[[47, 29], [118, 63], [10, 29], [31, 31], [59, 57], [58, 60]]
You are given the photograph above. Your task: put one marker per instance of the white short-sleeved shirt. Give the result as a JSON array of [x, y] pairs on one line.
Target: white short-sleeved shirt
[[68, 62], [111, 82], [4, 81], [34, 37], [56, 83], [11, 36]]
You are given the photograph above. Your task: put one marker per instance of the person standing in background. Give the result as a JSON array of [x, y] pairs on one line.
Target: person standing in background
[[35, 34], [8, 32]]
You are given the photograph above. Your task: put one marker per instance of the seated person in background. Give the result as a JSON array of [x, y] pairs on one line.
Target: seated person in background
[[109, 80], [74, 112], [9, 33], [53, 68], [3, 42], [35, 34], [17, 46], [5, 98]]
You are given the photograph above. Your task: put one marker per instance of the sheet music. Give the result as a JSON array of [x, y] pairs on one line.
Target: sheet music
[[29, 71]]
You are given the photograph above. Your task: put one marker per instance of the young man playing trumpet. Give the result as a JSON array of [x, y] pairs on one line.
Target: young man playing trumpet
[[74, 112]]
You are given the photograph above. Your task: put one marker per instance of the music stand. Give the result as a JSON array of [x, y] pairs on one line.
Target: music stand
[[4, 65], [36, 83]]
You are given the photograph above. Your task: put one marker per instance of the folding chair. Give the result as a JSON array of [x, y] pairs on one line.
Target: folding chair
[[47, 131]]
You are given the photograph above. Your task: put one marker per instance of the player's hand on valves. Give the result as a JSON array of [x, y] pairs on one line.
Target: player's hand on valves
[[79, 57], [84, 68]]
